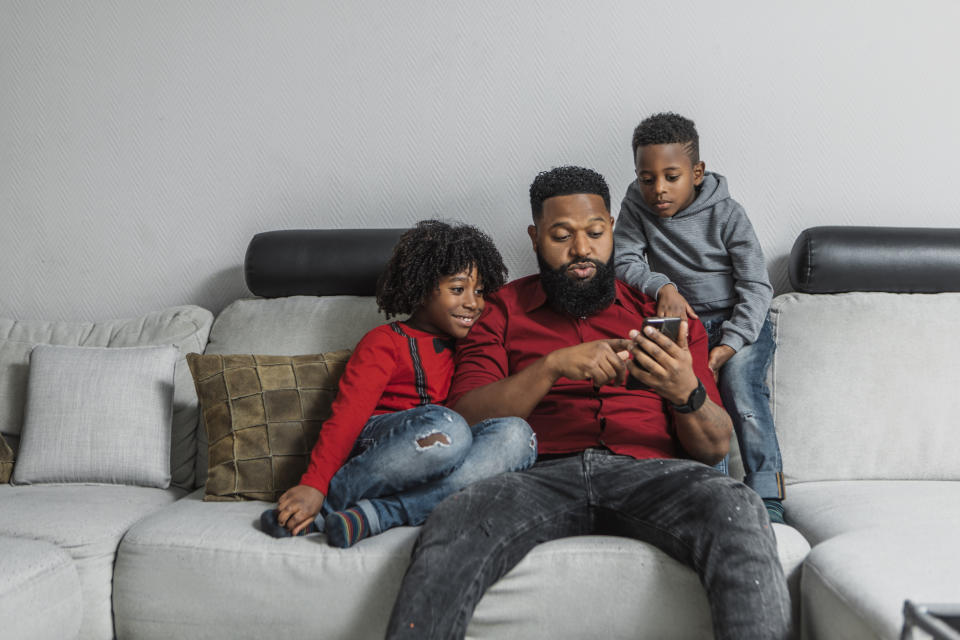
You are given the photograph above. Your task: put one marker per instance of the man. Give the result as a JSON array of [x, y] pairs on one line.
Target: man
[[619, 459]]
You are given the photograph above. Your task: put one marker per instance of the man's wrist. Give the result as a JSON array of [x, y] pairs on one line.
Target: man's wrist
[[692, 401]]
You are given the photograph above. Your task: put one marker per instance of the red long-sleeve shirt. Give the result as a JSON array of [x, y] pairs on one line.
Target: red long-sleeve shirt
[[518, 327], [384, 375]]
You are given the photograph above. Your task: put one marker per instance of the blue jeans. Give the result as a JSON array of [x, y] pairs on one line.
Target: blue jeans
[[396, 479], [746, 398], [694, 513]]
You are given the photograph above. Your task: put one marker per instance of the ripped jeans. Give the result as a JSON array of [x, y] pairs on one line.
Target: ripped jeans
[[746, 398], [403, 464]]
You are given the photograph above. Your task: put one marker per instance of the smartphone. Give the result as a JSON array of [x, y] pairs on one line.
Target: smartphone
[[669, 327]]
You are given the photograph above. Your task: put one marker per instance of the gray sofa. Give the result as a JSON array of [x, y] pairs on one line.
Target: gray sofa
[[864, 404]]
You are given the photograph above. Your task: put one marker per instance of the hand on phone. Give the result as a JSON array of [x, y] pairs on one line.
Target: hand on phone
[[668, 326]]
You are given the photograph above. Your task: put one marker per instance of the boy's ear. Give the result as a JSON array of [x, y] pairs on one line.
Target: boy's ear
[[698, 171], [532, 232]]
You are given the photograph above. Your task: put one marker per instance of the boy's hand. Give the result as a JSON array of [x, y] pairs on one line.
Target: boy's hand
[[298, 506], [662, 364], [671, 304], [718, 357]]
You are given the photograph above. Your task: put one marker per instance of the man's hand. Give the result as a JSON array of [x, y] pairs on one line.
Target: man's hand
[[671, 304], [718, 357], [662, 364], [298, 506], [601, 361]]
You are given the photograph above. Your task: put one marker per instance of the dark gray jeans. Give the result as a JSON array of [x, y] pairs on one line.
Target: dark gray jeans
[[699, 516]]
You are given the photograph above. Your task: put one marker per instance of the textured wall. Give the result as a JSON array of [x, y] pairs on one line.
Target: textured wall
[[142, 143]]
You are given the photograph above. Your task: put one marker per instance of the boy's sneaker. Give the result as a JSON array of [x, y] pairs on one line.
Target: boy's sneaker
[[774, 510]]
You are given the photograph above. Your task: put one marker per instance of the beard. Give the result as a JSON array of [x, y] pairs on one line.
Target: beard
[[578, 298]]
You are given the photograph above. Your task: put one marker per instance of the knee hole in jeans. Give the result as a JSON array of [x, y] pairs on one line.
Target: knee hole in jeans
[[436, 439]]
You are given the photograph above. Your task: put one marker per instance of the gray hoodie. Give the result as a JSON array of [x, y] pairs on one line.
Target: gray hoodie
[[708, 250]]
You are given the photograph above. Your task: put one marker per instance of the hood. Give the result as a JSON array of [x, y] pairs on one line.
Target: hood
[[713, 190]]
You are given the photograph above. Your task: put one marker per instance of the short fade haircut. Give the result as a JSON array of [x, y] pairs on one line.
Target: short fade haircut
[[564, 181], [668, 128], [429, 251]]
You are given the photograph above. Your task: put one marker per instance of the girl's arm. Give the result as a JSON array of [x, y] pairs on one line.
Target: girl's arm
[[364, 379]]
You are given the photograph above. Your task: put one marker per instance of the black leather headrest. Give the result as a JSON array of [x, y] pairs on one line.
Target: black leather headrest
[[895, 259], [318, 262]]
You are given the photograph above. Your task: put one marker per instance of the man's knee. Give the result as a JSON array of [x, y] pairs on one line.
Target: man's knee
[[726, 499]]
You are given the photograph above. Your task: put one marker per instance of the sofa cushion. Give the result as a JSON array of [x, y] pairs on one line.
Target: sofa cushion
[[870, 378], [185, 327], [822, 510], [263, 416], [98, 415], [6, 461], [854, 586], [88, 522], [39, 591], [210, 564]]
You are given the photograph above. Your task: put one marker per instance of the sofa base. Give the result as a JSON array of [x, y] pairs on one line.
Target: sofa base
[[204, 570]]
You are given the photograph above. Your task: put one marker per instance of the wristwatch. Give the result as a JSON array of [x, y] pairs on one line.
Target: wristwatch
[[697, 397]]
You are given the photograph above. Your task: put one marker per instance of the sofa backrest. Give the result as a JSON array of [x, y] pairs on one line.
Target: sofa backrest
[[186, 327], [864, 383], [864, 386]]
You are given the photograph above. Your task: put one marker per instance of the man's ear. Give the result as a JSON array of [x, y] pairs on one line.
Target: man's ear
[[698, 171], [532, 232]]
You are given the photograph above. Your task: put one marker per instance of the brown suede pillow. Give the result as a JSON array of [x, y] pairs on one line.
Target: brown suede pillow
[[263, 416], [6, 461]]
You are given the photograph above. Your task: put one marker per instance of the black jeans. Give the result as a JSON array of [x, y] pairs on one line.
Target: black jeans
[[699, 516]]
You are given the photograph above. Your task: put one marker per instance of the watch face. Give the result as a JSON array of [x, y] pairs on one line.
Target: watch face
[[695, 401], [697, 398]]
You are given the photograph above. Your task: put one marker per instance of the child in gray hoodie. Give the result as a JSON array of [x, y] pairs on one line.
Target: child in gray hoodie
[[681, 239]]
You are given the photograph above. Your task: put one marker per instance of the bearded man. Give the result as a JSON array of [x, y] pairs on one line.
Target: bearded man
[[634, 460]]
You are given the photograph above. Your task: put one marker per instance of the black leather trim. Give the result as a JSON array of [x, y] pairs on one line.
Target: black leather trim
[[318, 262], [894, 259]]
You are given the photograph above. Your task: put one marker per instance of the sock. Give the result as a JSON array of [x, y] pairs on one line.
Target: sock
[[346, 528], [269, 524], [774, 510]]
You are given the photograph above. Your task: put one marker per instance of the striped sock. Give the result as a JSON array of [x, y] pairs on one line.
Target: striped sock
[[774, 509], [346, 528]]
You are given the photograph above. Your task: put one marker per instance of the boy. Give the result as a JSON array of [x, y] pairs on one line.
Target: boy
[[681, 239]]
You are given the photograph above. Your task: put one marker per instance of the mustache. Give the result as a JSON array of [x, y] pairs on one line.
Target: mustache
[[569, 265]]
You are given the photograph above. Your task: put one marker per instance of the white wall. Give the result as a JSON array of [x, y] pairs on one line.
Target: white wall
[[142, 143]]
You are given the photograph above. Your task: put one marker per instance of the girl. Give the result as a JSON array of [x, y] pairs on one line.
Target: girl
[[390, 452]]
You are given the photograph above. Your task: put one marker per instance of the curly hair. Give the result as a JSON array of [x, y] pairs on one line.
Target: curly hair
[[668, 128], [429, 251], [563, 181]]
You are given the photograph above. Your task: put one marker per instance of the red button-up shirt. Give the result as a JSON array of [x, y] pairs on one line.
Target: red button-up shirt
[[518, 327]]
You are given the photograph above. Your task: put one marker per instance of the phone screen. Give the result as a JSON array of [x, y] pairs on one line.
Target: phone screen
[[669, 326]]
